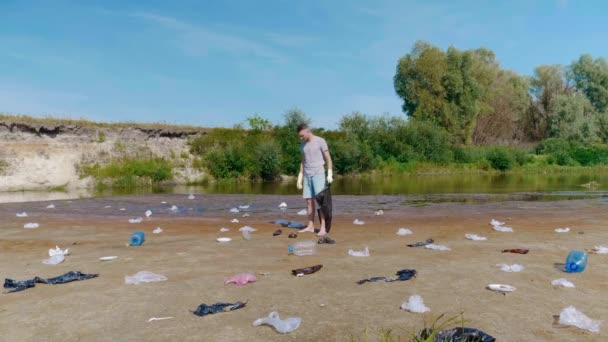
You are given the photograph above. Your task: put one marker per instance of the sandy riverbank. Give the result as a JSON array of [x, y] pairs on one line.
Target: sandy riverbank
[[105, 309]]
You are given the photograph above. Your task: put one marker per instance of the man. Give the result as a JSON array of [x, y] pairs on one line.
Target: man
[[311, 178]]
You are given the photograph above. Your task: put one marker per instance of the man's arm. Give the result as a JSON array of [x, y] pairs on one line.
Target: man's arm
[[330, 166]]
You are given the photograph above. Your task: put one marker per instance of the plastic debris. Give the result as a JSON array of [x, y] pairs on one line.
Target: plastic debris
[[244, 206], [241, 279], [516, 250], [245, 215], [363, 253], [415, 304], [600, 250], [158, 230], [62, 279], [50, 206], [246, 235], [503, 229], [402, 275], [234, 210], [404, 231], [379, 212], [571, 316], [108, 258], [576, 261], [224, 230], [108, 207], [144, 277], [57, 256], [296, 225], [174, 208], [496, 223], [303, 248], [326, 240], [277, 232], [292, 235], [562, 282], [437, 247], [205, 309], [422, 243], [562, 230], [283, 205], [136, 220], [234, 221], [475, 237], [163, 202], [159, 319], [148, 213], [224, 239], [306, 270], [31, 225], [510, 268], [247, 229], [122, 209], [23, 214], [137, 239], [282, 326], [191, 197], [358, 222], [303, 212], [460, 334], [501, 288]]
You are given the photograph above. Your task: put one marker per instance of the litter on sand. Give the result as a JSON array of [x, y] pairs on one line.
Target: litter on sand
[[144, 277], [600, 250], [244, 206], [495, 222], [108, 258], [303, 212], [62, 279], [205, 309], [562, 230], [241, 279], [283, 205], [50, 206], [499, 226], [283, 223], [282, 326], [402, 275], [57, 256], [224, 239], [363, 253], [191, 197], [562, 282], [122, 209], [158, 230], [159, 319], [23, 214], [174, 208], [245, 215], [234, 221], [296, 225], [224, 230], [358, 222], [415, 304], [326, 240], [510, 268], [404, 231], [501, 288], [148, 213], [516, 250], [437, 247], [136, 220], [247, 229], [108, 207], [379, 212], [571, 316], [277, 232], [306, 270], [420, 244], [461, 334], [475, 237], [234, 210], [31, 225]]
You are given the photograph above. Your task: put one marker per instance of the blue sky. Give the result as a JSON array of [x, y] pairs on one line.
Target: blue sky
[[214, 63]]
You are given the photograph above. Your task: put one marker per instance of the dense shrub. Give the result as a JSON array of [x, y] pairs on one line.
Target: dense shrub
[[428, 141], [225, 162], [266, 161], [553, 145], [500, 158], [128, 172]]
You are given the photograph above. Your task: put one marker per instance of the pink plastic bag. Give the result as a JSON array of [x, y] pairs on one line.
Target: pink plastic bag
[[241, 279]]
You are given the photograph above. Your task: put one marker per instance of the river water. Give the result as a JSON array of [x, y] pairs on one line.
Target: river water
[[415, 188]]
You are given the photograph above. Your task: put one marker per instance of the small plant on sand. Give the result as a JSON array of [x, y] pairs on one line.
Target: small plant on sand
[[427, 334], [3, 166]]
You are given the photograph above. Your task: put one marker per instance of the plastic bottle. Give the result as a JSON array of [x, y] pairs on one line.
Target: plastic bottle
[[576, 261], [246, 235], [137, 239], [304, 248]]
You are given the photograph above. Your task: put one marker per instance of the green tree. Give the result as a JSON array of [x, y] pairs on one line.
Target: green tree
[[573, 118], [591, 77], [288, 140]]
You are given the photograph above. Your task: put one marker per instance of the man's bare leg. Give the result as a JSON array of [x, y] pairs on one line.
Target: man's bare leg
[[322, 231], [310, 202]]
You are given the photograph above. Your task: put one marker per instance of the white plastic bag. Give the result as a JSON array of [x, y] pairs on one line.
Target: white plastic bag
[[234, 221], [404, 231], [475, 237], [234, 210], [50, 206], [510, 268], [244, 206], [148, 213], [503, 229], [174, 208], [136, 220], [562, 282], [496, 223], [282, 326], [57, 256], [31, 225], [23, 214], [600, 250], [224, 230], [158, 230], [379, 212], [303, 212], [415, 304], [283, 205], [247, 229], [191, 197], [437, 247], [144, 277], [358, 222], [562, 230], [571, 316], [363, 253]]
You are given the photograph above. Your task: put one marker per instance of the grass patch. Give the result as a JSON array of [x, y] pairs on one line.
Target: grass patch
[[3, 166], [130, 172], [59, 188]]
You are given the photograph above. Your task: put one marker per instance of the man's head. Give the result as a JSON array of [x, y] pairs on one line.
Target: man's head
[[304, 132]]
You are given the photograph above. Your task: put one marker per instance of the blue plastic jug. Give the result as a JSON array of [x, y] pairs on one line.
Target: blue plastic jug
[[137, 239], [576, 261]]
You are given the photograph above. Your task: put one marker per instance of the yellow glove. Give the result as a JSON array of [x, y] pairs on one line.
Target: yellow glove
[[330, 176], [300, 181]]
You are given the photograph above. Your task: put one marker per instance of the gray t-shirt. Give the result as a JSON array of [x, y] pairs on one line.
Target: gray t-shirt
[[313, 156]]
